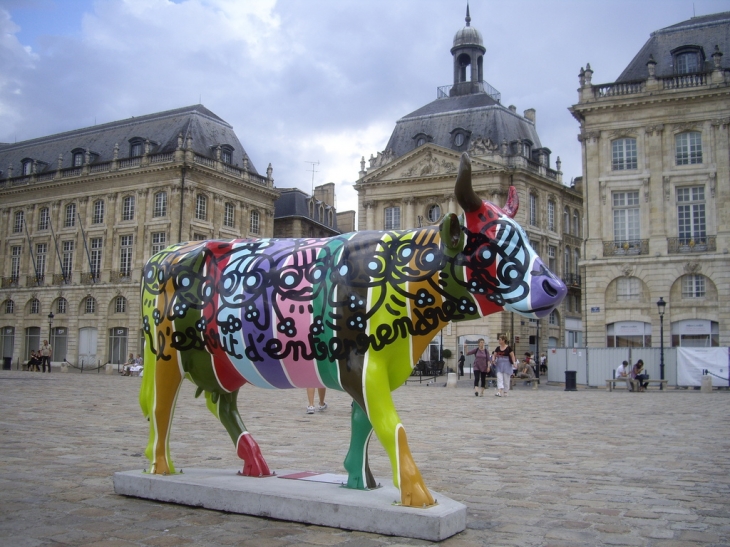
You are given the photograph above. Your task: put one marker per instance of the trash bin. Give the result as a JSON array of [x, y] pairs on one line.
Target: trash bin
[[570, 381], [7, 363]]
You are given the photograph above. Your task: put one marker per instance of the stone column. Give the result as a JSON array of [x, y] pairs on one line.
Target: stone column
[[108, 243], [369, 215], [408, 204], [140, 242]]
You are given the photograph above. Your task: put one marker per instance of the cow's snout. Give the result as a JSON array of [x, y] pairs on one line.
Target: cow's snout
[[547, 290]]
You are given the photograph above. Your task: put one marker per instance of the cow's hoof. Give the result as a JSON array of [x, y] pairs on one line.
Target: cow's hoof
[[418, 497]]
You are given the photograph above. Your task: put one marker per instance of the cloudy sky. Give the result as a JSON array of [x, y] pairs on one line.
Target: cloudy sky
[[308, 80]]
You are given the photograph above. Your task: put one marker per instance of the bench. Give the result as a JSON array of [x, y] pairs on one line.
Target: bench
[[634, 384]]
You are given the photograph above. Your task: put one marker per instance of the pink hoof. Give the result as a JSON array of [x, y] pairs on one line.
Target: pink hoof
[[254, 464]]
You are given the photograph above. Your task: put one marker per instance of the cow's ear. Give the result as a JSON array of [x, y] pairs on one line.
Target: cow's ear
[[451, 233]]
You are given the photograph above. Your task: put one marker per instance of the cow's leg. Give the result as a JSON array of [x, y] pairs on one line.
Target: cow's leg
[[356, 461], [167, 380], [389, 429], [247, 449]]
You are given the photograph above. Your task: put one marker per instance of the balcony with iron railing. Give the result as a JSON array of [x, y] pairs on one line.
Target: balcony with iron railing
[[34, 280], [62, 279], [627, 247], [698, 244], [9, 282], [90, 278], [572, 281], [120, 276]]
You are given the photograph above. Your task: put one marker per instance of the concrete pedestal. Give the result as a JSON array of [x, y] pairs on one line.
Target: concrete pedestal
[[451, 380], [109, 368], [324, 504], [706, 384]]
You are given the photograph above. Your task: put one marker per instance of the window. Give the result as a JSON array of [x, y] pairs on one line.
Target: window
[[98, 217], [535, 246], [576, 260], [70, 219], [9, 306], [433, 213], [160, 209], [125, 255], [691, 214], [254, 224], [459, 139], [95, 256], [576, 224], [229, 215], [687, 62], [159, 242], [552, 252], [120, 304], [128, 208], [626, 221], [693, 286], [623, 152], [628, 288], [135, 148], [226, 156], [35, 306], [19, 220], [89, 305], [27, 168], [551, 215], [553, 318], [392, 218], [43, 219], [201, 207], [15, 262], [41, 250], [67, 259], [61, 305], [688, 148], [566, 221], [533, 210], [566, 261], [78, 159]]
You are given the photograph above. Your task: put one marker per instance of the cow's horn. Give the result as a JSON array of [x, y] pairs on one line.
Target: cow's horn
[[465, 194], [513, 203]]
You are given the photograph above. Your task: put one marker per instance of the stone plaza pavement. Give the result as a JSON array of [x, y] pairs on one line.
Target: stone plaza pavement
[[545, 467]]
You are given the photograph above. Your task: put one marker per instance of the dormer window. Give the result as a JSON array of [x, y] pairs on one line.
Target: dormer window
[[27, 167], [78, 159], [688, 59], [459, 138], [421, 139], [136, 147], [227, 154]]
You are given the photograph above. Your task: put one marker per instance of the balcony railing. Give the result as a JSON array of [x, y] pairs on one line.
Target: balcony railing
[[120, 276], [34, 281], [617, 89], [572, 280], [704, 244], [9, 282], [626, 247], [682, 81], [90, 278], [61, 279], [443, 91]]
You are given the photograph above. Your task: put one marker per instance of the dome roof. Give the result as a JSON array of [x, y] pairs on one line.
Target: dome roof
[[468, 36]]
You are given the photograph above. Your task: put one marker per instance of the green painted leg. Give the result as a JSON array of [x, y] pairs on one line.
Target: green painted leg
[[359, 476]]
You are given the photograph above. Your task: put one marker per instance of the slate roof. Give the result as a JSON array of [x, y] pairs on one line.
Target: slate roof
[[293, 202], [477, 113], [705, 31], [162, 129]]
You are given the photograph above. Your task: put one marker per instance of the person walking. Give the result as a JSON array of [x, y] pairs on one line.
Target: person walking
[[310, 396], [46, 352], [461, 363], [504, 357], [481, 367]]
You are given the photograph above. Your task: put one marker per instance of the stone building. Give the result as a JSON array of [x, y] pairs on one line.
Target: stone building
[[297, 214], [411, 183], [82, 211], [657, 191]]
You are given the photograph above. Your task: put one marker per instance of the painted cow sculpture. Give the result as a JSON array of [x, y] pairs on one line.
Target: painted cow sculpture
[[352, 312]]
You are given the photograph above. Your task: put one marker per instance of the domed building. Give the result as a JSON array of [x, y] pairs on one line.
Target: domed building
[[411, 183]]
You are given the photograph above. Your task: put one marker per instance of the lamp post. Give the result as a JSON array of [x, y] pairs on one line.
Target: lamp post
[[50, 327], [661, 305], [537, 351]]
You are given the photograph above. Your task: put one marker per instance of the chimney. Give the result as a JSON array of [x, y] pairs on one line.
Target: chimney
[[530, 114]]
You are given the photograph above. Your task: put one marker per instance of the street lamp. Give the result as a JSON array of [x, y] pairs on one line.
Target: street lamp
[[661, 305], [50, 327]]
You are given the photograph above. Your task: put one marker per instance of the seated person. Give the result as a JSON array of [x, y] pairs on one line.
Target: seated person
[[623, 371], [34, 362], [639, 373], [525, 370], [137, 367]]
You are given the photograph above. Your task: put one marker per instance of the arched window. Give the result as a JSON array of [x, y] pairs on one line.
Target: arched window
[[19, 220], [566, 221], [70, 219], [533, 209], [551, 215], [98, 212], [623, 154], [254, 225], [43, 219], [120, 304], [566, 265], [229, 217], [9, 306], [688, 148], [553, 318], [61, 305], [201, 207], [89, 305], [576, 224], [128, 208], [576, 260], [160, 208], [35, 306], [693, 286]]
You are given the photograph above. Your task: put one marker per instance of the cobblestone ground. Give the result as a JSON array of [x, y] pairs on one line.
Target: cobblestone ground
[[544, 467]]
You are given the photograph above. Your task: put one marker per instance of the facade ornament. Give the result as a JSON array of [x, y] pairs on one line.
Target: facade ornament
[[87, 157], [682, 127], [713, 179], [143, 191], [218, 153], [10, 171], [369, 204], [409, 200], [189, 142], [651, 67], [651, 129], [116, 151], [558, 164], [645, 184], [60, 162], [582, 77], [602, 190], [83, 199], [667, 187], [179, 141], [480, 146], [505, 147], [623, 133], [146, 147], [692, 268], [245, 162], [717, 57], [588, 74], [627, 270], [383, 158], [430, 165]]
